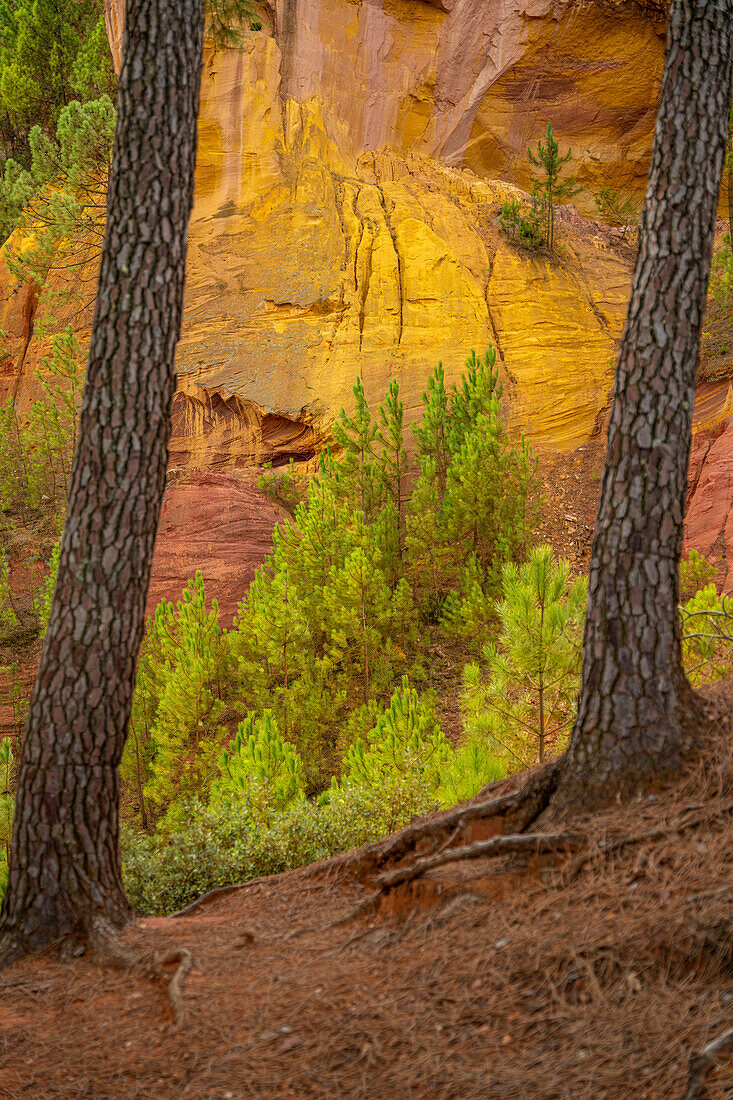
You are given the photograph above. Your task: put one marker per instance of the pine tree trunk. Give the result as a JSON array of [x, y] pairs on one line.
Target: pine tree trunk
[[637, 715], [65, 863]]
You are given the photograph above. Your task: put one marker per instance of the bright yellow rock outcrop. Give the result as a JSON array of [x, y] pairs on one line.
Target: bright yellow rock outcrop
[[352, 157]]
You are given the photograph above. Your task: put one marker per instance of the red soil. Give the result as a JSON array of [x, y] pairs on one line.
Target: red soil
[[505, 979]]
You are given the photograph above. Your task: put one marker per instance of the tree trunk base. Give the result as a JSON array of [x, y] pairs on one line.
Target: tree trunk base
[[661, 751]]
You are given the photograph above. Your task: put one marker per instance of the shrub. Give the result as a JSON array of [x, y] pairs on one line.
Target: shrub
[[616, 210], [259, 771], [522, 224], [220, 845]]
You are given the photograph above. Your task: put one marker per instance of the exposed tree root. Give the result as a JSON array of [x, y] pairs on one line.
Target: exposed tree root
[[10, 949], [519, 810], [175, 983], [538, 843], [221, 892], [525, 844], [368, 906], [702, 1063], [688, 820]]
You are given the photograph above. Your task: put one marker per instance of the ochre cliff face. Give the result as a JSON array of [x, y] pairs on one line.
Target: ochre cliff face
[[473, 82], [352, 157]]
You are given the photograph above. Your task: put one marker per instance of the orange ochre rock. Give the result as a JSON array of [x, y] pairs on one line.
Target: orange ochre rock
[[352, 158]]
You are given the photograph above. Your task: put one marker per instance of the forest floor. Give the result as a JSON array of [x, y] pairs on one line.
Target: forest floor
[[596, 972]]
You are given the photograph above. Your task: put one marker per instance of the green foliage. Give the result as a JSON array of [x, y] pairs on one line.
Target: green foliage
[[287, 487], [549, 188], [17, 699], [707, 635], [357, 472], [7, 795], [8, 618], [259, 770], [36, 451], [406, 738], [7, 807], [431, 434], [329, 624], [227, 20], [523, 700], [219, 845], [617, 210], [696, 572], [177, 705], [49, 50], [324, 628], [461, 527], [474, 765], [392, 472], [60, 201], [721, 273], [523, 225], [44, 597]]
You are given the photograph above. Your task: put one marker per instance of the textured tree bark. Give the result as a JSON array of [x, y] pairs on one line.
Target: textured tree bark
[[637, 715], [65, 864]]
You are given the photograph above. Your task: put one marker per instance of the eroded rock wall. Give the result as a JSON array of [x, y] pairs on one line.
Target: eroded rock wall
[[352, 158]]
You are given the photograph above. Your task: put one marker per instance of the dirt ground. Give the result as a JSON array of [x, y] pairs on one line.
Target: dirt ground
[[591, 973]]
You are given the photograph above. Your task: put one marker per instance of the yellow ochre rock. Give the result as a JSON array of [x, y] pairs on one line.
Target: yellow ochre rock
[[352, 159]]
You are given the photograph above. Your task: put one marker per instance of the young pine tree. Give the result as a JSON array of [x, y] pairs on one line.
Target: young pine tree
[[428, 553], [392, 466], [357, 599], [356, 435], [431, 433], [404, 757], [180, 682], [524, 697], [549, 188], [259, 770]]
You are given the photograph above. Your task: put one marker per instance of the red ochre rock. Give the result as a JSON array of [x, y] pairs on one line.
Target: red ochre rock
[[709, 520], [220, 524]]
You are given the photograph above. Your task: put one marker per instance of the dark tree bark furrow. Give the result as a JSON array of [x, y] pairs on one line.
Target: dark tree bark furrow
[[65, 866], [637, 716]]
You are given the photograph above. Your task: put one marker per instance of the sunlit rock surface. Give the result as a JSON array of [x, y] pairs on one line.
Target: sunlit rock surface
[[352, 157]]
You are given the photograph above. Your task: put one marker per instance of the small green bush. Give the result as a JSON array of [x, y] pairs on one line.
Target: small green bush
[[259, 770], [523, 225], [221, 845]]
